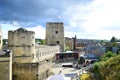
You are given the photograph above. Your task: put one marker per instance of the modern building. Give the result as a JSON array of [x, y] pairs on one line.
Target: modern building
[[67, 56]]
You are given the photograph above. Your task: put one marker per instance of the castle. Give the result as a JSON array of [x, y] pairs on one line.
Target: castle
[[36, 57], [22, 44], [30, 56], [55, 34]]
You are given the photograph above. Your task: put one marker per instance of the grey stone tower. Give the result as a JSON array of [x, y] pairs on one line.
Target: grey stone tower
[[55, 34], [0, 38], [22, 44]]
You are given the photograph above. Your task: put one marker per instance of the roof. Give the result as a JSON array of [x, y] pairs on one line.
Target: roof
[[68, 52], [89, 56]]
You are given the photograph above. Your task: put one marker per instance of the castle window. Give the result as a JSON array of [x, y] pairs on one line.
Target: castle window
[[22, 36], [33, 56], [12, 44], [40, 54], [56, 32], [32, 36], [57, 42], [23, 44]]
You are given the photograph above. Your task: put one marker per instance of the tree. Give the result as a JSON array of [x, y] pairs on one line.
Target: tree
[[67, 48], [43, 41], [113, 39]]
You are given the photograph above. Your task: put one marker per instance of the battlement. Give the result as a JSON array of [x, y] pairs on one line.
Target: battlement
[[21, 30], [54, 22], [55, 34]]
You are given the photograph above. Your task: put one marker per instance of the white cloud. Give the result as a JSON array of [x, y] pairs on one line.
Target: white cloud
[[39, 31], [5, 28], [93, 20], [95, 16]]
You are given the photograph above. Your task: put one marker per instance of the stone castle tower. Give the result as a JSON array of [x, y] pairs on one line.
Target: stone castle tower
[[55, 34], [22, 44], [1, 38]]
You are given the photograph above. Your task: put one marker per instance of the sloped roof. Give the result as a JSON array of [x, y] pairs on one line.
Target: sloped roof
[[89, 56]]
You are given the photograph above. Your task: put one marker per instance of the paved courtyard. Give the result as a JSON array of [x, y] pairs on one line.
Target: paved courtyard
[[57, 68]]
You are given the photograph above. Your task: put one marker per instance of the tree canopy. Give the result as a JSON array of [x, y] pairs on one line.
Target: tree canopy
[[108, 68]]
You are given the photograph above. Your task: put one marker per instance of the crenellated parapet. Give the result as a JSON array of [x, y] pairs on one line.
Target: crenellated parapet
[[21, 37], [22, 43]]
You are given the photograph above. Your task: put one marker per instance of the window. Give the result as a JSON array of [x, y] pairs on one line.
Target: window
[[57, 42], [56, 32], [23, 44], [22, 36], [12, 44]]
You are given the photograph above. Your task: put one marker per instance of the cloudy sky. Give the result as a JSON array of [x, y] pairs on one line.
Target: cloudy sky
[[88, 19]]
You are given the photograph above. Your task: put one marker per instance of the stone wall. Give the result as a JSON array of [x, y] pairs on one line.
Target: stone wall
[[44, 70], [55, 34], [25, 71], [69, 43], [22, 44], [5, 68], [45, 52], [26, 53], [1, 42]]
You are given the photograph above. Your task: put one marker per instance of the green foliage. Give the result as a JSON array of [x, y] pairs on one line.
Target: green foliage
[[5, 41], [67, 48], [113, 39], [41, 41], [109, 69], [114, 44], [107, 56], [37, 40]]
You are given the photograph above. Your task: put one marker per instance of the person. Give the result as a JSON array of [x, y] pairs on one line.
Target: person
[[60, 71]]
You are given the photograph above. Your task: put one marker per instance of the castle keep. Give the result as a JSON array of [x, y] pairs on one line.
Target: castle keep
[[55, 34], [22, 44], [33, 58]]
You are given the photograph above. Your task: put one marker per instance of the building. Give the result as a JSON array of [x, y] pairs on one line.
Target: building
[[1, 42], [55, 34], [22, 44], [6, 65], [68, 43], [29, 57], [67, 56], [45, 52]]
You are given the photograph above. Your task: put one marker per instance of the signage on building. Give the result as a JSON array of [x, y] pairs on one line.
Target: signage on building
[[71, 75]]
